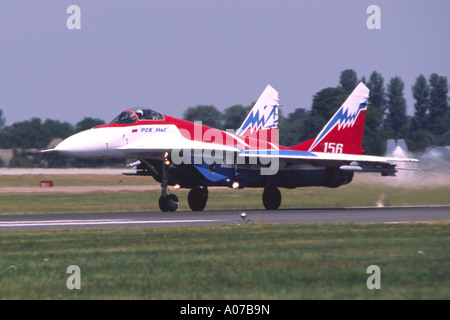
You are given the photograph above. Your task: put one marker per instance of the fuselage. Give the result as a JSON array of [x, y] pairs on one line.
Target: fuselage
[[162, 138]]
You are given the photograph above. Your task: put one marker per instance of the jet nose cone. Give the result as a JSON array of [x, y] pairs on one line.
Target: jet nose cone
[[85, 144], [67, 147]]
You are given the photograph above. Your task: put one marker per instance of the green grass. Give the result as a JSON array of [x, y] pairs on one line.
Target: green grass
[[66, 180], [311, 261], [364, 191], [219, 199]]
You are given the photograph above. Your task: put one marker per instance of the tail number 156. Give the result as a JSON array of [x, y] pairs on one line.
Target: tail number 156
[[332, 147]]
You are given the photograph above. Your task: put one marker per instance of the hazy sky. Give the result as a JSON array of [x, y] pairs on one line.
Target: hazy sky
[[172, 54]]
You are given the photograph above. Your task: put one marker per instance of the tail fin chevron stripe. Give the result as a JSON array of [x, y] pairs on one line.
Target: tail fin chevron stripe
[[343, 119], [256, 121], [264, 114], [340, 128]]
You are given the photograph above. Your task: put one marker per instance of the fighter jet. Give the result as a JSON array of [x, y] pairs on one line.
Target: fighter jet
[[191, 155]]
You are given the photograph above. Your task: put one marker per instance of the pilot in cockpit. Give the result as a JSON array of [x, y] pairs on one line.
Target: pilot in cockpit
[[132, 115], [140, 114]]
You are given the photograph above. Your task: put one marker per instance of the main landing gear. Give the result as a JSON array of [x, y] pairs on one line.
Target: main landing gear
[[271, 198], [197, 198]]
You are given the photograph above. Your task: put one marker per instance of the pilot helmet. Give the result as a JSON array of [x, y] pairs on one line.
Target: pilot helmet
[[139, 113]]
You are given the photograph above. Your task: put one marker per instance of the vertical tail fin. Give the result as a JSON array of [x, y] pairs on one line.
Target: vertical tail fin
[[264, 114], [344, 131], [260, 128]]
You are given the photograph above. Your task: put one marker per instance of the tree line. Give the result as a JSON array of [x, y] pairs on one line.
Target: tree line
[[386, 118], [37, 134]]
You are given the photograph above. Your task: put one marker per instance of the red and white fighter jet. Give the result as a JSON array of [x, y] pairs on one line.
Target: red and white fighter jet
[[190, 155]]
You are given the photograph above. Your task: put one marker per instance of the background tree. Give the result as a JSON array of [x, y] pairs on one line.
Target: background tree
[[25, 134], [377, 93], [292, 127], [327, 101], [420, 93], [33, 133], [325, 104], [396, 118], [348, 80], [209, 115], [55, 129], [234, 116], [2, 120], [438, 107], [88, 123], [374, 141], [419, 135]]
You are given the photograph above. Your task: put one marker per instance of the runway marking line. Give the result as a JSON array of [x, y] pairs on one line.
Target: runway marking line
[[93, 222]]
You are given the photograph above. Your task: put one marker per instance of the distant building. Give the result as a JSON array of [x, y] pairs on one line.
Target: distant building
[[5, 156]]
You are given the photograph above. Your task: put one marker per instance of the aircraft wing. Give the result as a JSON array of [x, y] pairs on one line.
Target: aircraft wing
[[345, 162]]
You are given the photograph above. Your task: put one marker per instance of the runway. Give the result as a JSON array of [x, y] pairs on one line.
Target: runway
[[215, 218]]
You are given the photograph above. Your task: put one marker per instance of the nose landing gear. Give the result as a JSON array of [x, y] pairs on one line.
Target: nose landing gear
[[167, 202]]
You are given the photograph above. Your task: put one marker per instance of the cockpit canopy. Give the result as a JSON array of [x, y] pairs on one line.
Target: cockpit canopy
[[133, 115]]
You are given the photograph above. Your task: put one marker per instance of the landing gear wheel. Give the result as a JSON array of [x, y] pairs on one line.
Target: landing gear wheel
[[197, 198], [169, 203], [271, 198]]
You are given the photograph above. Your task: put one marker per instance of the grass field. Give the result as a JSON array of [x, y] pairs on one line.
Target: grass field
[[311, 261], [326, 261], [361, 192], [141, 201], [67, 180]]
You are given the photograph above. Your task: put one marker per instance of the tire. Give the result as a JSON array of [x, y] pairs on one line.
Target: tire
[[169, 203], [197, 199], [271, 198], [172, 202], [163, 205]]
